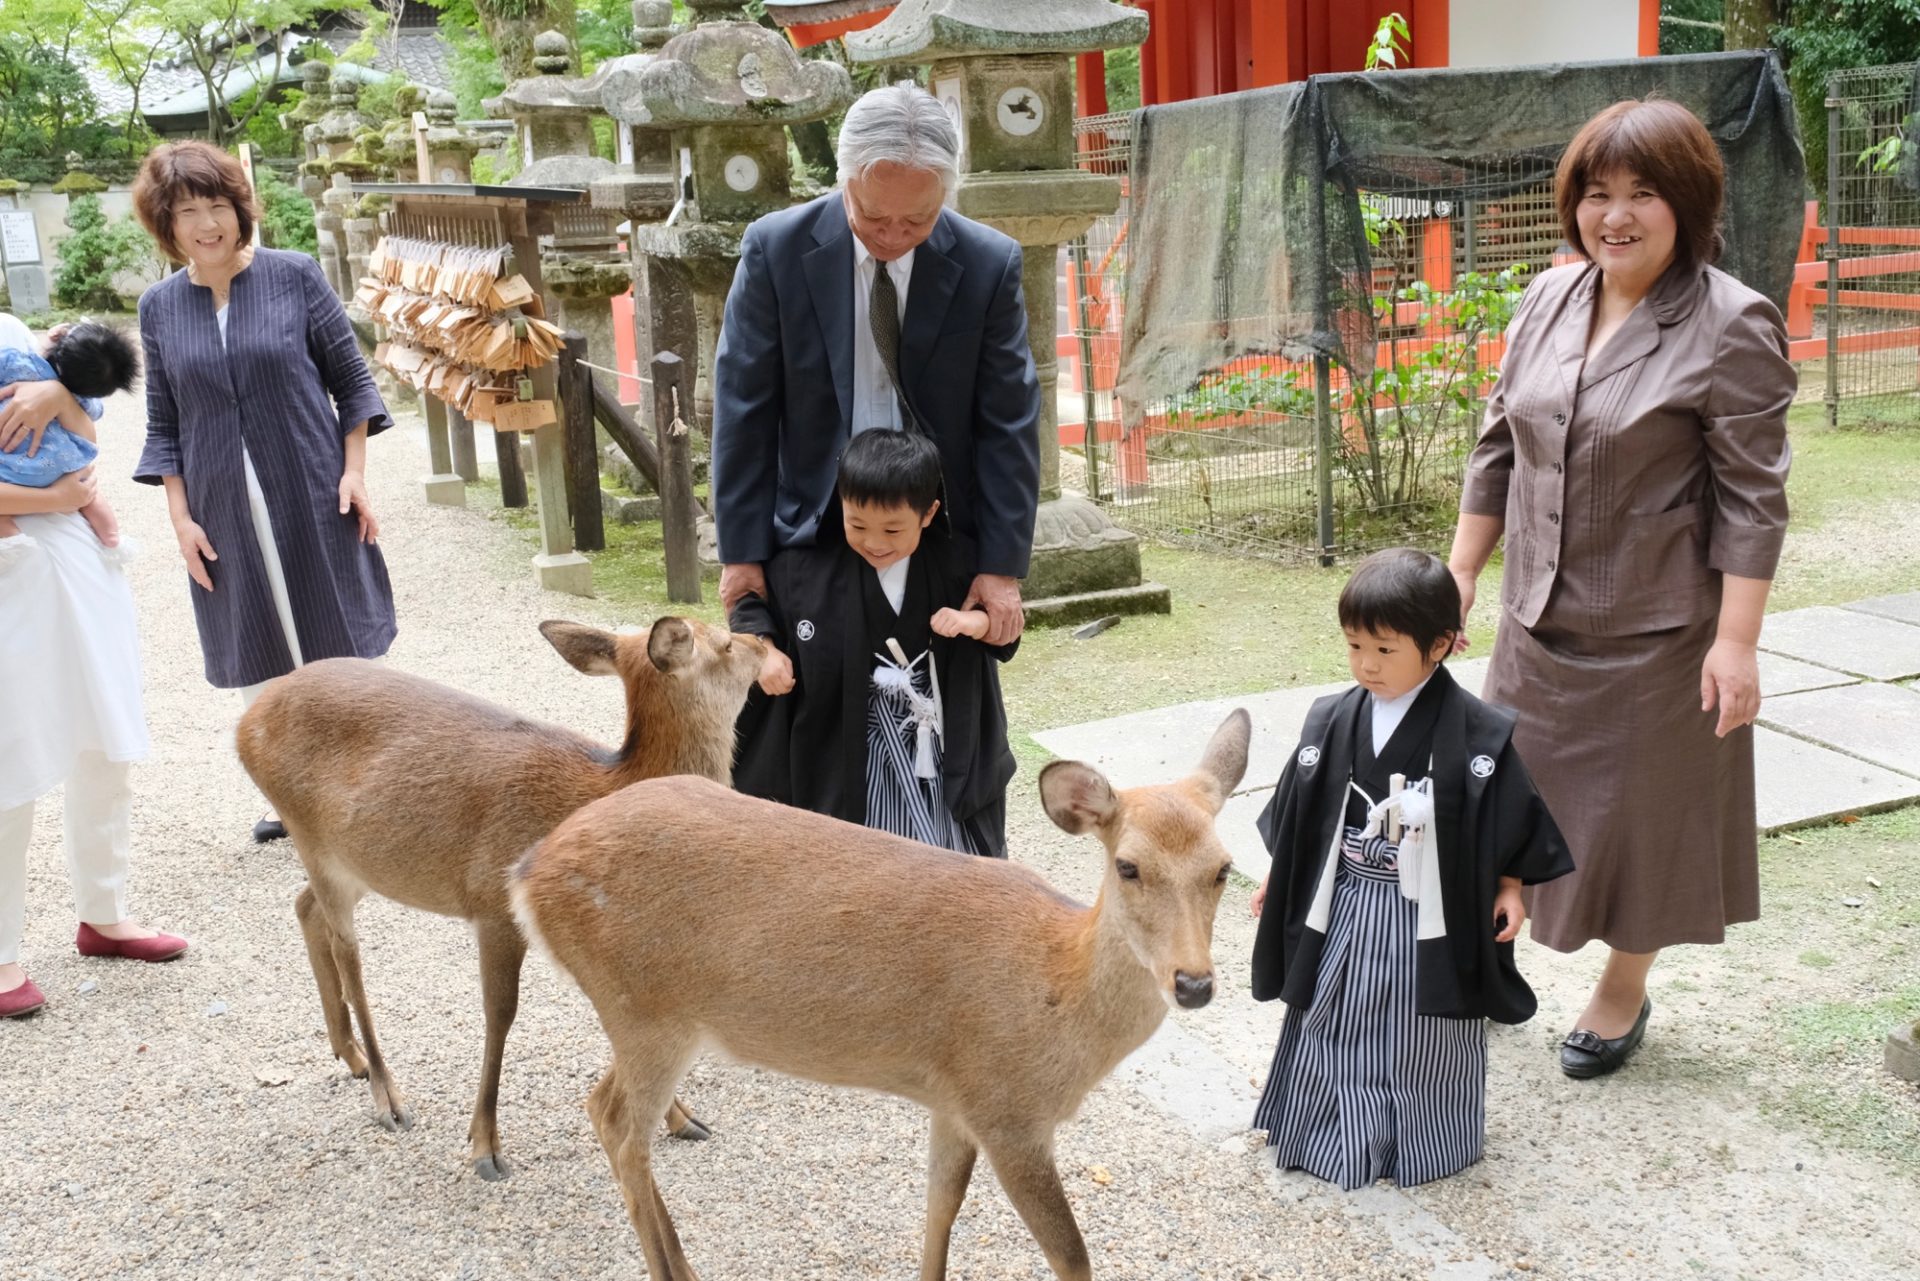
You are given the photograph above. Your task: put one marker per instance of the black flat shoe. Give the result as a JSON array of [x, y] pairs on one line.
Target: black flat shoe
[[269, 829], [1587, 1054]]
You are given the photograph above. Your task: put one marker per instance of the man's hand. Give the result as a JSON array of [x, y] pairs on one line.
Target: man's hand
[[999, 595], [741, 580], [26, 410]]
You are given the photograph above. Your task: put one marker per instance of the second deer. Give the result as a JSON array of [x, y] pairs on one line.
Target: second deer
[[398, 786], [693, 916]]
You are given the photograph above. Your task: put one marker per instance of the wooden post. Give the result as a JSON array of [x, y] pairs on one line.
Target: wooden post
[[465, 465], [573, 380], [672, 405], [513, 477], [627, 434], [444, 486]]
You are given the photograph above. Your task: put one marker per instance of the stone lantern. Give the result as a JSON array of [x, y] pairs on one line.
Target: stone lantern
[[724, 91], [1004, 69], [315, 98], [642, 188], [448, 149], [580, 267], [337, 158], [397, 151]]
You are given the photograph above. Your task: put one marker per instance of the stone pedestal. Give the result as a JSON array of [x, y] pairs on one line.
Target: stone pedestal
[[583, 291], [1004, 69], [1903, 1054]]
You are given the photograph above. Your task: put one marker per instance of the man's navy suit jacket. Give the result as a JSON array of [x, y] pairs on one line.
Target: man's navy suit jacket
[[783, 383]]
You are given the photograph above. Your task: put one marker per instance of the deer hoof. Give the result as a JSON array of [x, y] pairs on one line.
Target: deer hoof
[[394, 1117], [693, 1131], [493, 1169]]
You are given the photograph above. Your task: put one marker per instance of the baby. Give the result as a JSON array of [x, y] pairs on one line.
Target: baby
[[90, 360]]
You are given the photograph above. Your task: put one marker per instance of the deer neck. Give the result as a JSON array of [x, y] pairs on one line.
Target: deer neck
[[1117, 1004], [665, 736]]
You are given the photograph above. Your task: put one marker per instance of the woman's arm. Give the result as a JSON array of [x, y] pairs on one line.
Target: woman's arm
[[194, 547], [160, 457], [68, 494], [1730, 676], [28, 408], [353, 484], [336, 352]]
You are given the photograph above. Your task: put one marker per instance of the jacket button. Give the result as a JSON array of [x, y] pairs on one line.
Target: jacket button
[[1560, 420], [1553, 517], [1557, 469], [1550, 565]]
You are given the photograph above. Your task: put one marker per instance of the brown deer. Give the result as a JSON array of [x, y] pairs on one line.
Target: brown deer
[[692, 916], [393, 784]]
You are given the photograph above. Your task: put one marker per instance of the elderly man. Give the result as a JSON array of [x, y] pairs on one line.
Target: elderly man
[[877, 307]]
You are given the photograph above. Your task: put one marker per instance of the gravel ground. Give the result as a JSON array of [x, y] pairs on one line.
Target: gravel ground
[[188, 1120]]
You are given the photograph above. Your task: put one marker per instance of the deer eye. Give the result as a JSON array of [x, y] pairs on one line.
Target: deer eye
[[1222, 878], [1128, 871]]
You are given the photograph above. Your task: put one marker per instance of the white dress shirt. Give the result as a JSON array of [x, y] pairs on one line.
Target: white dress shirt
[[893, 581], [874, 401], [1388, 715]]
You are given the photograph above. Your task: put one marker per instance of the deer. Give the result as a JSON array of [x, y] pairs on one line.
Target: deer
[[855, 958], [395, 785]]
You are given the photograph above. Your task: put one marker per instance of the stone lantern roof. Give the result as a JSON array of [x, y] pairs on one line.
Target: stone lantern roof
[[344, 120], [725, 71], [930, 30], [555, 118]]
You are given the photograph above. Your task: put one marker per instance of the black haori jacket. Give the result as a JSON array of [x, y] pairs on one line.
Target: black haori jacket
[[1489, 822], [809, 747]]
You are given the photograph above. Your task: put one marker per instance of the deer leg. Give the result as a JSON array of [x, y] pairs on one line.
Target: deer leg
[[337, 903], [682, 1124], [950, 1155], [333, 1007], [501, 952], [1032, 1182], [648, 1063]]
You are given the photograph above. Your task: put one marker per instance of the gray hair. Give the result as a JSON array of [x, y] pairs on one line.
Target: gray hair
[[901, 124]]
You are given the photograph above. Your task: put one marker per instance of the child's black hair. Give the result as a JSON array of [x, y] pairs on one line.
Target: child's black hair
[[882, 468], [96, 360], [1404, 590]]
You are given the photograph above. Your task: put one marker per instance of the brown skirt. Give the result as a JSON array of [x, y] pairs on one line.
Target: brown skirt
[[1659, 814]]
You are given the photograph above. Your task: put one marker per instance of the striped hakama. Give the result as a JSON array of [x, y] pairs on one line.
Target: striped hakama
[[899, 799], [1362, 1087]]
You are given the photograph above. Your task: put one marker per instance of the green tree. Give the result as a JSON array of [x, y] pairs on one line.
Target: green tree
[[1820, 37], [94, 253], [217, 37]]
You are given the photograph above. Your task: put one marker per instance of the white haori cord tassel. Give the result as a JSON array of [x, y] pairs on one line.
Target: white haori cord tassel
[[1408, 816], [895, 676]]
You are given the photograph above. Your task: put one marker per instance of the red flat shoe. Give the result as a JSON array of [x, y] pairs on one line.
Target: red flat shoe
[[24, 999], [161, 947]]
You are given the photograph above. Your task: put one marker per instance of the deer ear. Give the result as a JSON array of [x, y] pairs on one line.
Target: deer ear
[[1077, 796], [1224, 763], [670, 643], [588, 648]]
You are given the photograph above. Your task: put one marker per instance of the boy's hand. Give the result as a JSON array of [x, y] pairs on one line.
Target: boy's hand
[[776, 673], [956, 622], [1509, 910], [1259, 898]]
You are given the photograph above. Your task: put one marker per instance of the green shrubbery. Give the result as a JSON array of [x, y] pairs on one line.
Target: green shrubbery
[[96, 252]]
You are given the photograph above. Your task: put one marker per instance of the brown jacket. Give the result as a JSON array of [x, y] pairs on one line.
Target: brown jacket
[[1631, 482]]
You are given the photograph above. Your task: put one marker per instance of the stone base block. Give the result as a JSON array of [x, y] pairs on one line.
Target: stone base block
[[1903, 1054], [447, 490], [629, 510], [568, 572], [1064, 611]]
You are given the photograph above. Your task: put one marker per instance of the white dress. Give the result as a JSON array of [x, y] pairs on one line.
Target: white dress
[[69, 659]]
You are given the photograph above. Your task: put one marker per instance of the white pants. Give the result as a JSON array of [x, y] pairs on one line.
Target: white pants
[[276, 574], [98, 834]]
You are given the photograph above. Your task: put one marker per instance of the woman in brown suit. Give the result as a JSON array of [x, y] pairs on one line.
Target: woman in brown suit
[[1635, 456]]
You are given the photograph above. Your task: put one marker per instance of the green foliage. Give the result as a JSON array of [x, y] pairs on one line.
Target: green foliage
[[1389, 43], [286, 215], [472, 66], [1821, 37], [1123, 79], [94, 253], [263, 128], [605, 30], [1401, 412], [46, 110], [1690, 26]]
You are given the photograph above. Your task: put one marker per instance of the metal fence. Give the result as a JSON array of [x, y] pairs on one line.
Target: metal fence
[[1237, 462], [1858, 312]]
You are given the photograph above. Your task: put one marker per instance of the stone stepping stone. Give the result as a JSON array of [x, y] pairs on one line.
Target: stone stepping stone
[[1846, 640], [1798, 784], [1875, 722], [1904, 608], [1782, 675]]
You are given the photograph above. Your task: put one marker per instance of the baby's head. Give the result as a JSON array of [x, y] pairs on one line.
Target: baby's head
[[1401, 613], [889, 492], [94, 360]]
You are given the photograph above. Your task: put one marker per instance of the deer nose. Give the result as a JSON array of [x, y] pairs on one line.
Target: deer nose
[[1192, 990]]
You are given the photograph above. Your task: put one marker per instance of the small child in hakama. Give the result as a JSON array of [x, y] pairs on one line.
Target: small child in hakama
[[1401, 832], [879, 701]]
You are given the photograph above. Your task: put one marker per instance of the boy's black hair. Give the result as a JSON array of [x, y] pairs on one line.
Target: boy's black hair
[[96, 360], [882, 468], [1404, 590]]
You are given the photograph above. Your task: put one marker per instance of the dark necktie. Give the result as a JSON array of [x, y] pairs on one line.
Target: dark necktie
[[883, 316]]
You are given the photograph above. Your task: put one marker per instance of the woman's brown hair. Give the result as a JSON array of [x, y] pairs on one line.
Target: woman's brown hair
[[181, 170], [1665, 146]]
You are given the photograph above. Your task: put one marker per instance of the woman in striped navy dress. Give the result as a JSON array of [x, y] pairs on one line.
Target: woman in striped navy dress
[[259, 406], [1401, 833]]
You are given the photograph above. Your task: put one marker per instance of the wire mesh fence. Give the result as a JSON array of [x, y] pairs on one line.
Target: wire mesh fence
[[1858, 313], [1240, 460]]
